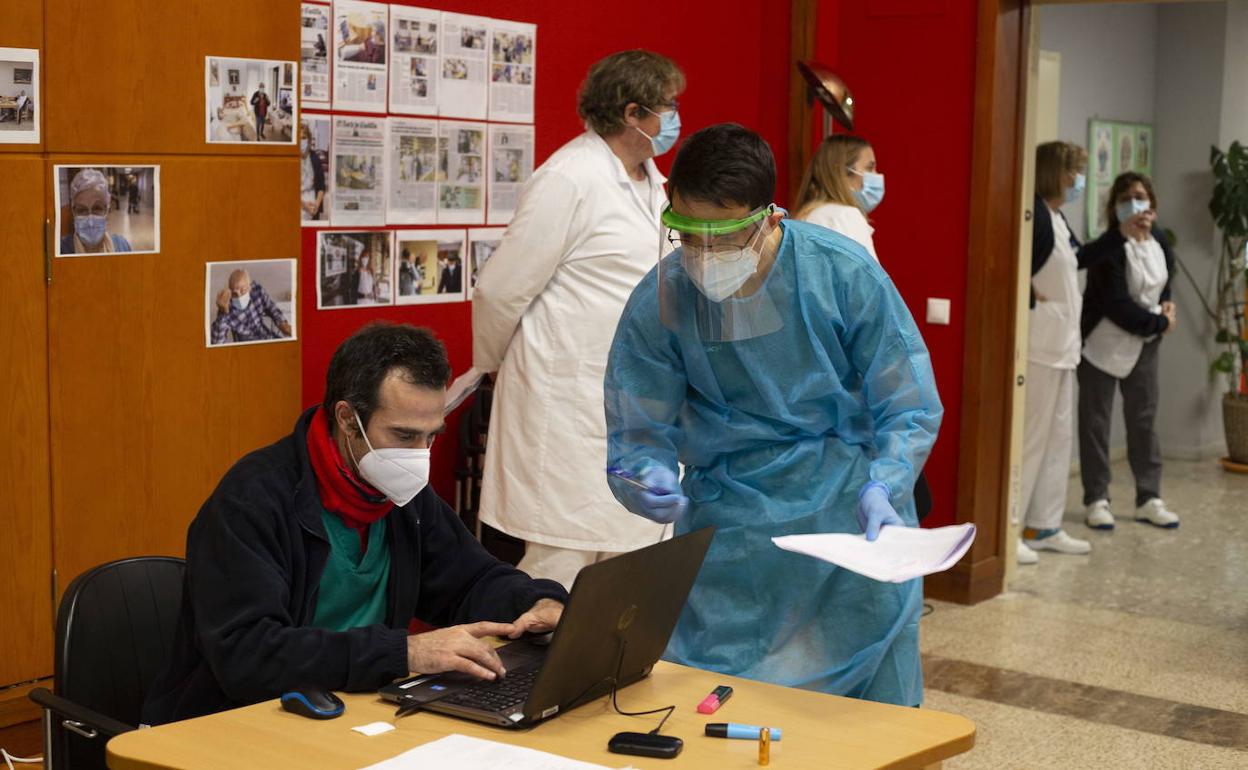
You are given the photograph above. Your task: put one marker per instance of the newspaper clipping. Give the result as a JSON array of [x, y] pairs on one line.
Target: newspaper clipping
[[461, 173], [482, 241], [353, 268], [513, 67], [360, 55], [412, 175], [431, 266], [314, 132], [464, 61], [314, 55], [358, 189], [511, 165], [414, 60]]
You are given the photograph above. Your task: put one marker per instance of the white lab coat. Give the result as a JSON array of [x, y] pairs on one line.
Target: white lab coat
[[544, 312], [849, 221]]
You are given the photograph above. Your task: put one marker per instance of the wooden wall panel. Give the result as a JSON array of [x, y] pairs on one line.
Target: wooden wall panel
[[25, 537], [145, 418], [129, 76]]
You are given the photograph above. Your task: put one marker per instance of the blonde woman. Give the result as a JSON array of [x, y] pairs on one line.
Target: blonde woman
[[1052, 353], [841, 187]]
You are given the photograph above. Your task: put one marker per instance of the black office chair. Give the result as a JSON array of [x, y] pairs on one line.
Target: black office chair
[[114, 631]]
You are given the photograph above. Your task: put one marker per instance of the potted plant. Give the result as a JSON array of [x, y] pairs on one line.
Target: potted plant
[[1229, 207]]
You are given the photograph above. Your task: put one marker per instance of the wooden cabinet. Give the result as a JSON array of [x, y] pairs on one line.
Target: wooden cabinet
[[119, 420]]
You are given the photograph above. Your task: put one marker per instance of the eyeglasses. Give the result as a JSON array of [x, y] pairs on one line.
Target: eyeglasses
[[672, 106], [99, 210], [724, 247]]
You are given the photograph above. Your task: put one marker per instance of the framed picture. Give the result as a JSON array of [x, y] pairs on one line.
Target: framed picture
[[22, 75], [233, 77], [1114, 147]]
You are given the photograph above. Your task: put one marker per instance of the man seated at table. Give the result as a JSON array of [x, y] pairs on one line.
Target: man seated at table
[[313, 555]]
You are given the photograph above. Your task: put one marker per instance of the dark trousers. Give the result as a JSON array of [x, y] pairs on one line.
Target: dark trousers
[[1139, 410]]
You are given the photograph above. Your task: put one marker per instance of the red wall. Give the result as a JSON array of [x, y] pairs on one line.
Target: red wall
[[735, 57], [910, 65]]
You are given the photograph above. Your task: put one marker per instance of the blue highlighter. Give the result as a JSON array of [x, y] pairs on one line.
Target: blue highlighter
[[628, 477], [734, 730]]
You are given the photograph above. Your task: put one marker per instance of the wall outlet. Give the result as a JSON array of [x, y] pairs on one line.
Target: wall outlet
[[938, 311]]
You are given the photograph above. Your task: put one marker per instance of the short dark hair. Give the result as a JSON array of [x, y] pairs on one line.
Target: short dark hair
[[366, 358], [726, 164]]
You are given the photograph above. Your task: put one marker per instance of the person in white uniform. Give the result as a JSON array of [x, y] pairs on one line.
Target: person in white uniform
[[544, 312], [1052, 354], [1126, 310], [841, 186]]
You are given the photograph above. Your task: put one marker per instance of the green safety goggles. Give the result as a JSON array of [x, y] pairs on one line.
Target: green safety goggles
[[713, 227]]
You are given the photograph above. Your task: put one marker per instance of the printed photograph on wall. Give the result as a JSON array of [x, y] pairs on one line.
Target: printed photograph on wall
[[107, 210], [257, 102], [19, 96], [353, 268], [246, 303], [1115, 146], [431, 266]]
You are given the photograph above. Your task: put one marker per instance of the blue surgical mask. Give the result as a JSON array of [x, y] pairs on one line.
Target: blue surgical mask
[[872, 191], [241, 302], [669, 131], [90, 228], [1073, 193], [1128, 209]]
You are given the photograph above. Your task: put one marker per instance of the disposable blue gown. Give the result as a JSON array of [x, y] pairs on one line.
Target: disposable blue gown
[[778, 434]]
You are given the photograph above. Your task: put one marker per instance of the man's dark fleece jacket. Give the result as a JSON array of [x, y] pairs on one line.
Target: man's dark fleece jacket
[[255, 554]]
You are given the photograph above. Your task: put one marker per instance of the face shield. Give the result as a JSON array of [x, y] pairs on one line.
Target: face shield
[[714, 277]]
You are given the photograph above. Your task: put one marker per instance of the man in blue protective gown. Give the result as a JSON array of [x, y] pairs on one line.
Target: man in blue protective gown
[[776, 361]]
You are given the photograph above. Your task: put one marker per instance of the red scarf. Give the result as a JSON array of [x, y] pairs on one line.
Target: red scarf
[[341, 491]]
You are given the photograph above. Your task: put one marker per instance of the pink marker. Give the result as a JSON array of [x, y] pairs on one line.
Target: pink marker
[[711, 703]]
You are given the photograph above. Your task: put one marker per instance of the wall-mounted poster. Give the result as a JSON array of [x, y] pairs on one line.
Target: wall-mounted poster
[[107, 210], [513, 71], [482, 242], [465, 61], [357, 188], [412, 175], [246, 303], [314, 54], [19, 96], [360, 55], [511, 165], [353, 268], [1114, 147], [461, 173], [255, 102], [430, 266], [314, 146], [414, 60]]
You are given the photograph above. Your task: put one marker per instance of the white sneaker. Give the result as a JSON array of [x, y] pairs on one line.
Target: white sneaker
[[1097, 516], [1154, 512], [1061, 542], [1026, 555]]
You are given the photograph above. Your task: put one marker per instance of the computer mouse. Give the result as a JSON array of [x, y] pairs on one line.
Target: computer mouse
[[313, 703]]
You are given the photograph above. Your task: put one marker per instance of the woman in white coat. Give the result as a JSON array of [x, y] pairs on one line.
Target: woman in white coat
[[841, 187], [1052, 354], [544, 312]]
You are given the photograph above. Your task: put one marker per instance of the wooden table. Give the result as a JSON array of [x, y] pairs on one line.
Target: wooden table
[[820, 731]]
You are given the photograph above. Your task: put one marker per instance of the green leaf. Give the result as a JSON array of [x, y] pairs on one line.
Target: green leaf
[[1223, 336], [1223, 363]]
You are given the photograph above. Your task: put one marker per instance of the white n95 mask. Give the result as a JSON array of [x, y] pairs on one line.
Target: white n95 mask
[[398, 472]]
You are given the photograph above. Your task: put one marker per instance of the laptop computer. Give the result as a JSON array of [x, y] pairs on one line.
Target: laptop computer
[[616, 624]]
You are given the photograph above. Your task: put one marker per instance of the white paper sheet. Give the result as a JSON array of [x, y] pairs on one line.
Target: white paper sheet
[[461, 173], [900, 553], [414, 60], [464, 76], [430, 266], [314, 41], [319, 129], [511, 165], [464, 753], [464, 386], [412, 174], [482, 241], [513, 70], [360, 42], [357, 185]]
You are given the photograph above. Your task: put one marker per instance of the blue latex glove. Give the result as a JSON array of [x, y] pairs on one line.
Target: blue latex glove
[[662, 508], [875, 510]]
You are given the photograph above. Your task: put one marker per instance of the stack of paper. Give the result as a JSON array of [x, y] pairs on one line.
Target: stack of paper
[[464, 386], [464, 753], [900, 553]]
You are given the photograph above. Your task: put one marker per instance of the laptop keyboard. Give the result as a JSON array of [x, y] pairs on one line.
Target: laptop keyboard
[[500, 695]]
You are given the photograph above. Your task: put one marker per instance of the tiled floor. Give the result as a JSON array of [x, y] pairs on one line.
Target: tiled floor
[[1135, 656]]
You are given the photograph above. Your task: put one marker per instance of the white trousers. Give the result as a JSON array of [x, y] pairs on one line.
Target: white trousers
[[1048, 434], [558, 564]]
